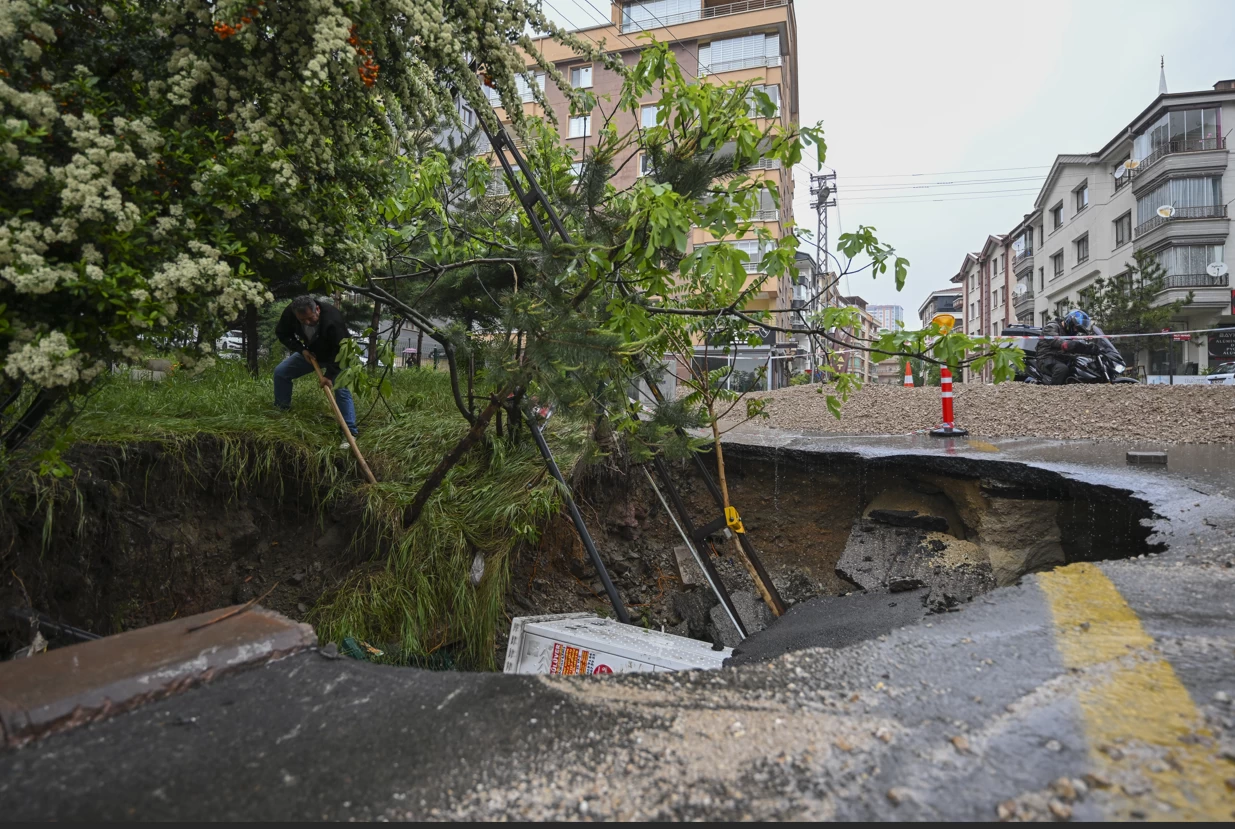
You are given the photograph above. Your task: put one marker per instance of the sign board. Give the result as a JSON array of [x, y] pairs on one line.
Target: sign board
[[1181, 338], [582, 644], [1222, 346]]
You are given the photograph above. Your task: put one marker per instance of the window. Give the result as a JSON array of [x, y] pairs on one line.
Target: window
[[647, 116], [1057, 265], [972, 277], [1061, 307], [973, 310], [772, 91], [1041, 279], [745, 52], [994, 297], [1082, 196], [1182, 131], [580, 127], [581, 77], [1045, 318], [1192, 198], [1057, 216], [467, 115], [1189, 261], [1123, 230], [645, 164], [1003, 295], [652, 14], [1082, 249]]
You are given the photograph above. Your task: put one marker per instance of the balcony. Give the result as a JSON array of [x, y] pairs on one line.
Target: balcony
[[1022, 260], [651, 20], [1176, 147], [1195, 280], [752, 62], [1023, 302], [1217, 211]]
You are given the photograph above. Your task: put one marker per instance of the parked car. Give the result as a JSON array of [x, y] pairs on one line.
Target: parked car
[[1222, 375]]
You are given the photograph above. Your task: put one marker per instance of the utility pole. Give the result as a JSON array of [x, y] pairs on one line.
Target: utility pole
[[823, 195]]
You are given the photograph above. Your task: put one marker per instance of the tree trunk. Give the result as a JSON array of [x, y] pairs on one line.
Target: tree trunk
[[412, 514], [373, 326], [251, 343], [420, 344], [30, 419]]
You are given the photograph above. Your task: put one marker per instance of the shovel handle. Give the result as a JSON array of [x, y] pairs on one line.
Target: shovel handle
[[338, 415]]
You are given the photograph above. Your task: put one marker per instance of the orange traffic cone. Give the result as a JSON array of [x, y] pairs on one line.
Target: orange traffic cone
[[908, 376]]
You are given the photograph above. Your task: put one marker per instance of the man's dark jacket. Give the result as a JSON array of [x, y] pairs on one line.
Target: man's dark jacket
[[331, 332], [1055, 354]]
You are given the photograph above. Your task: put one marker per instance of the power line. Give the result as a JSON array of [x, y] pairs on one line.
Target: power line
[[871, 188], [933, 199], [956, 172]]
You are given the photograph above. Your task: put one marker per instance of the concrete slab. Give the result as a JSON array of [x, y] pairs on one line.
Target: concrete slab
[[69, 686]]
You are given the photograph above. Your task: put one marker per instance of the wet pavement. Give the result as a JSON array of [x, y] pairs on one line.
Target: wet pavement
[[1093, 691]]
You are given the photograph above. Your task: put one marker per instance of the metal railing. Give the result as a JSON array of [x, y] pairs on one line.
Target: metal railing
[[664, 20], [1215, 211], [766, 216], [1195, 280], [1023, 258], [754, 62], [1179, 145]]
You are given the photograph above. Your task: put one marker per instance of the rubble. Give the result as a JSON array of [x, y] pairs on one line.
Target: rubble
[[1196, 414]]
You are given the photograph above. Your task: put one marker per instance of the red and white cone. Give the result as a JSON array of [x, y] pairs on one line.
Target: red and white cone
[[948, 428], [908, 376]]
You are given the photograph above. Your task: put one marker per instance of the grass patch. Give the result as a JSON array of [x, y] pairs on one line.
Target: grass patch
[[416, 595]]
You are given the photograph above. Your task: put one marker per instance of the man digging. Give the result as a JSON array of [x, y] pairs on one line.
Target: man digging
[[309, 328]]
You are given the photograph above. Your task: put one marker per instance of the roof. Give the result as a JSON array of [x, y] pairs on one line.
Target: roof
[[969, 258], [1159, 103]]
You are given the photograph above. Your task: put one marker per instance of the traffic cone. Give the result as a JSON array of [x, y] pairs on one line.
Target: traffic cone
[[908, 376], [948, 428]]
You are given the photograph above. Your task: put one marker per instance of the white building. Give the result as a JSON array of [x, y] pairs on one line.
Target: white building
[[888, 317], [1160, 185]]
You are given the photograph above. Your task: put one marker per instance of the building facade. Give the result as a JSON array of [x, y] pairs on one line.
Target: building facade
[[714, 42], [942, 302], [1162, 185], [889, 317]]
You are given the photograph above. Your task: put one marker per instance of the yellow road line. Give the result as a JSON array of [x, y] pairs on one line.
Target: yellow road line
[[1144, 732]]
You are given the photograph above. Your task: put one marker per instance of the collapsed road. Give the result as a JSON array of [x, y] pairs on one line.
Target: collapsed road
[[1099, 689]]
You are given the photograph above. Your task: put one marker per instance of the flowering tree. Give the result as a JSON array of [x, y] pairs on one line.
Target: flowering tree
[[163, 161]]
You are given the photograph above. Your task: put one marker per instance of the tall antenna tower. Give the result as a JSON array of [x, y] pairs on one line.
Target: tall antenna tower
[[823, 191]]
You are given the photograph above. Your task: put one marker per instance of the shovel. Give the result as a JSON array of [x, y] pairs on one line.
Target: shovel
[[338, 415]]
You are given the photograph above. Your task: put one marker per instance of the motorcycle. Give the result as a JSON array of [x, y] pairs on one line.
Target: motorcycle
[[1106, 366]]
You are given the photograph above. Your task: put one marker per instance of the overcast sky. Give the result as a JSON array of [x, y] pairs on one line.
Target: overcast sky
[[913, 94]]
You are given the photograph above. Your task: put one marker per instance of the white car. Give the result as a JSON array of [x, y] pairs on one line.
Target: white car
[[1222, 375]]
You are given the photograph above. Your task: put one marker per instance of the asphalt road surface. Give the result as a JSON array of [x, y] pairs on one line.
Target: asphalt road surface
[[1096, 691]]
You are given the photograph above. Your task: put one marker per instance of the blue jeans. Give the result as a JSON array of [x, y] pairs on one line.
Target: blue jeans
[[297, 366]]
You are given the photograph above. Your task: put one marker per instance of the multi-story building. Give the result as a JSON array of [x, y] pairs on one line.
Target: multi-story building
[[714, 42], [942, 302], [1158, 186], [857, 359], [889, 317]]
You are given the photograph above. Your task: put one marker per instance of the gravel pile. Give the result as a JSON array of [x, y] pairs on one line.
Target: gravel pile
[[1177, 414]]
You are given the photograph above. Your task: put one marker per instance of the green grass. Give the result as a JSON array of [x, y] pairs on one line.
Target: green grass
[[414, 596]]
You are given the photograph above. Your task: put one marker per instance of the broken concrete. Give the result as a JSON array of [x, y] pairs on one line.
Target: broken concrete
[[895, 558], [751, 609], [81, 683]]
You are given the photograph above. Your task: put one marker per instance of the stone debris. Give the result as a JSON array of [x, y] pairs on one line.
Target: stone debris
[[1053, 803], [1197, 414]]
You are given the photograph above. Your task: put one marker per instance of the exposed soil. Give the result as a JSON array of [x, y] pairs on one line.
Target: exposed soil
[[1171, 414], [146, 543]]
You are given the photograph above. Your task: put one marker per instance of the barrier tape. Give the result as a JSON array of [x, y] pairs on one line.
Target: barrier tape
[[1122, 336]]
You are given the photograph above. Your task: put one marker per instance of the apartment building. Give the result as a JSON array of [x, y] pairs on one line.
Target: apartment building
[[889, 317], [714, 42], [942, 302], [857, 359], [1162, 184]]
